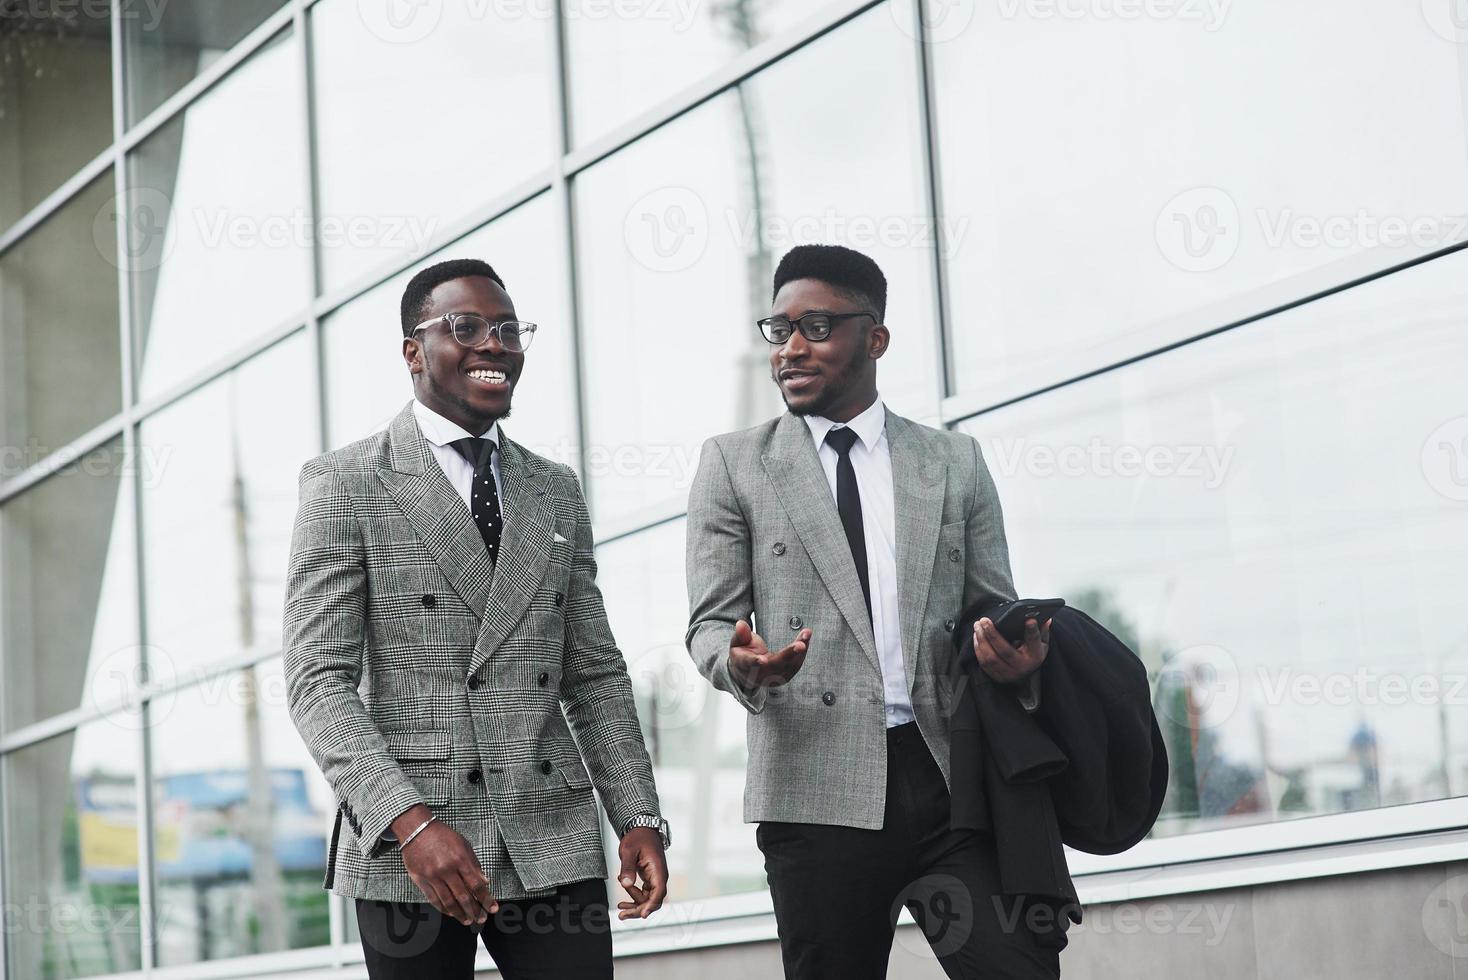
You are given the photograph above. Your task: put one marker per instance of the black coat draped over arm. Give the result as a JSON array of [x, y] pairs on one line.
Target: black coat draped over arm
[[1087, 769]]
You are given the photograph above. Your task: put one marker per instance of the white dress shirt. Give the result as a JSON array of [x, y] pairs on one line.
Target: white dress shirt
[[439, 432], [871, 458]]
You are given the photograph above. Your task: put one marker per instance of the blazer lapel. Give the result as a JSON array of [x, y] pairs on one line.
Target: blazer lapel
[[800, 483], [919, 481], [525, 544], [414, 479]]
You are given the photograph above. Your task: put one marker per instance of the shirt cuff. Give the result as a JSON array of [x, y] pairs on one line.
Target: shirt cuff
[[1029, 695]]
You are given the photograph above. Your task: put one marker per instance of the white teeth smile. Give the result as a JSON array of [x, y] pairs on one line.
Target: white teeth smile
[[493, 377]]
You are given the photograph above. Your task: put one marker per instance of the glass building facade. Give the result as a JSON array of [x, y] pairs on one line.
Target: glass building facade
[[1193, 276]]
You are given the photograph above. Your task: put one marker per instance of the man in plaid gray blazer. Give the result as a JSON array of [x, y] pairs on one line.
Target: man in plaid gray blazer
[[441, 612], [830, 551]]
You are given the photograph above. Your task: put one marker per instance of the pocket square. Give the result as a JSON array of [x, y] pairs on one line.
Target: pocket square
[[557, 536]]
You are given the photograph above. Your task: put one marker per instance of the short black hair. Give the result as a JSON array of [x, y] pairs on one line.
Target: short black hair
[[846, 270], [414, 307]]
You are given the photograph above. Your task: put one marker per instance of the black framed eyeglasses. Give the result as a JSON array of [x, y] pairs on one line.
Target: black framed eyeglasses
[[813, 326], [472, 330]]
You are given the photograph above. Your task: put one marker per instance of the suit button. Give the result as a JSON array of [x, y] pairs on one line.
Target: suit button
[[828, 699], [430, 601], [954, 554], [948, 625], [778, 547], [543, 679], [546, 767], [796, 622], [474, 775], [475, 683]]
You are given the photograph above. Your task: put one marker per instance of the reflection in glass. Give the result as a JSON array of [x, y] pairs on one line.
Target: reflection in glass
[[621, 65], [68, 598], [55, 65], [243, 820], [60, 361], [367, 382], [217, 521], [398, 159], [1105, 214], [167, 44], [679, 233], [1276, 523], [694, 733], [220, 229], [71, 854]]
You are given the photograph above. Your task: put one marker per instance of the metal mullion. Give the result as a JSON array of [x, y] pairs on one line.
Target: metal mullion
[[932, 175], [522, 193], [726, 77], [197, 87], [565, 208], [950, 417], [56, 200]]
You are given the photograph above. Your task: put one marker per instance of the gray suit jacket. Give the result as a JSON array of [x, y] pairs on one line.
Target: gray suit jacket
[[765, 541], [418, 673]]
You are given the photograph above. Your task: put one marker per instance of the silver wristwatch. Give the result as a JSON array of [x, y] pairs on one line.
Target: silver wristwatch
[[657, 823]]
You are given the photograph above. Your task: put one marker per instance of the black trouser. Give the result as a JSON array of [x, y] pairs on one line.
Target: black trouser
[[565, 936], [838, 890]]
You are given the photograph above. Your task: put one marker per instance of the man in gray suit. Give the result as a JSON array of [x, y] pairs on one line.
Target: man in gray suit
[[851, 537], [441, 612]]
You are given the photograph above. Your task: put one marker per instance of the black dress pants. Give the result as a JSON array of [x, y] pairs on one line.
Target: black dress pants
[[838, 890], [565, 936]]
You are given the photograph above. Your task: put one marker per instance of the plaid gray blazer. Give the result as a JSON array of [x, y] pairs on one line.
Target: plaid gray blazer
[[417, 673], [765, 544]]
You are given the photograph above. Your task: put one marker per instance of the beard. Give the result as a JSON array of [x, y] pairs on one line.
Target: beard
[[837, 385]]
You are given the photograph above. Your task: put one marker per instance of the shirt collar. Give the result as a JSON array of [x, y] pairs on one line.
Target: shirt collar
[[868, 426], [441, 431]]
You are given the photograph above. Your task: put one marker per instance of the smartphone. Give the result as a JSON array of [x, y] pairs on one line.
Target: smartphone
[[1009, 619]]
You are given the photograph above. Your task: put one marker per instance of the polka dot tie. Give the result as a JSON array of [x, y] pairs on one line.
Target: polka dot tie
[[484, 498]]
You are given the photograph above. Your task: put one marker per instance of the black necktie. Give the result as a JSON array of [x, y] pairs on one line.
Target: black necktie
[[848, 505], [484, 498]]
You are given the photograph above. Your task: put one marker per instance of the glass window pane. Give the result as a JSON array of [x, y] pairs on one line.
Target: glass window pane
[[1103, 214], [166, 45], [625, 58], [68, 596], [678, 236], [60, 346], [55, 97], [220, 230], [399, 157], [243, 821], [1277, 523], [217, 519], [694, 733], [367, 382], [71, 853]]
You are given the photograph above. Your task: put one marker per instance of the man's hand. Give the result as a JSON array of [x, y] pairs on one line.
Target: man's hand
[[443, 866], [1004, 663], [754, 666], [642, 856]]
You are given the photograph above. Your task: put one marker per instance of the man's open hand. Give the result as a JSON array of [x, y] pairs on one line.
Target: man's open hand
[[1007, 664], [754, 666], [443, 866]]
